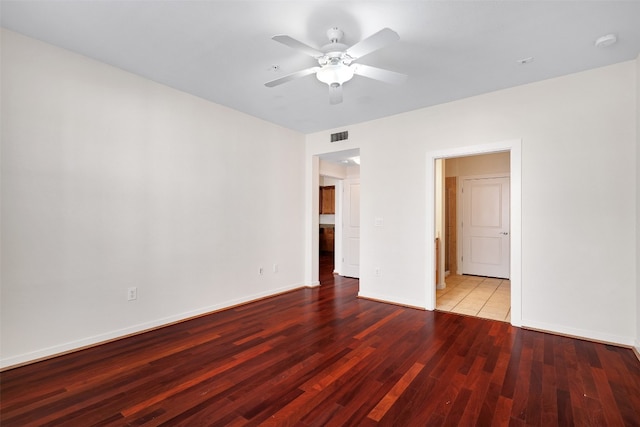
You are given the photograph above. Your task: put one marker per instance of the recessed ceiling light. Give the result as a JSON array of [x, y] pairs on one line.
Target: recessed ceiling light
[[605, 41], [527, 60]]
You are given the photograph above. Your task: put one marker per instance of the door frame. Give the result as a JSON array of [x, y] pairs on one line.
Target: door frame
[[345, 184], [514, 147]]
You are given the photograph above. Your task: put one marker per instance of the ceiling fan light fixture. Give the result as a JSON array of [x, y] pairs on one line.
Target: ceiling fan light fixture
[[335, 74]]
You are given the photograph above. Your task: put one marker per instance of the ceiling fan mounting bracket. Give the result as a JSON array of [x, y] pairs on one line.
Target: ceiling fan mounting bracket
[[335, 34]]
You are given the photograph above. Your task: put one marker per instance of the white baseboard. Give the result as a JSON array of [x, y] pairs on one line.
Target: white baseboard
[[579, 333], [75, 345], [397, 301]]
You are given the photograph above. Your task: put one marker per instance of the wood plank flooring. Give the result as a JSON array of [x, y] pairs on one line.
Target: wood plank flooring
[[317, 357]]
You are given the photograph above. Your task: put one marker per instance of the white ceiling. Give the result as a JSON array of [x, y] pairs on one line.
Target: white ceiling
[[222, 50]]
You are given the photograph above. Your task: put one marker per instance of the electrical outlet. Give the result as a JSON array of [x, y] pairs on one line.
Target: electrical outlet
[[377, 271], [261, 271], [275, 268], [132, 293]]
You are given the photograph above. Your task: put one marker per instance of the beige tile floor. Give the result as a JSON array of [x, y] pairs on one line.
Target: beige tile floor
[[476, 296]]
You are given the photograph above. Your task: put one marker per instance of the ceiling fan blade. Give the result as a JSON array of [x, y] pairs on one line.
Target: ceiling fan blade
[[292, 76], [382, 38], [335, 94], [295, 44], [379, 74]]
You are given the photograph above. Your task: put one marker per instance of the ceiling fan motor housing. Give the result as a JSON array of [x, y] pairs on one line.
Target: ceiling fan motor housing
[[335, 34]]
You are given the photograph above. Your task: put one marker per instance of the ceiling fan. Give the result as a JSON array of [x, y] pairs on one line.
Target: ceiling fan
[[336, 61]]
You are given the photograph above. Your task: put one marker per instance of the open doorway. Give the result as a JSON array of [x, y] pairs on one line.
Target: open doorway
[[435, 186], [475, 230], [338, 213], [327, 222]]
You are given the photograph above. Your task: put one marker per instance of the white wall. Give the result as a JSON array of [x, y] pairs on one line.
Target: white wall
[[478, 165], [331, 169], [111, 181], [578, 192]]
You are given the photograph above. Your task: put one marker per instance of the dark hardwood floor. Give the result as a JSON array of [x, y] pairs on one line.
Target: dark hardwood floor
[[322, 356]]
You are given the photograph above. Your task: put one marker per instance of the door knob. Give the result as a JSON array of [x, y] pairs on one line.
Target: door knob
[[505, 233]]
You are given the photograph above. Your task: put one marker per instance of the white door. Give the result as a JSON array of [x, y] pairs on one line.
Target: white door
[[351, 228], [485, 227]]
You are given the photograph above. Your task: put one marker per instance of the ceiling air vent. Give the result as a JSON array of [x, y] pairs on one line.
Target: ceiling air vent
[[340, 136]]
